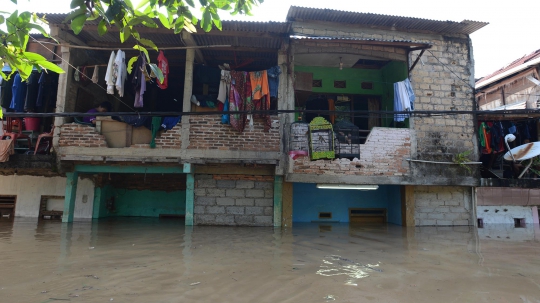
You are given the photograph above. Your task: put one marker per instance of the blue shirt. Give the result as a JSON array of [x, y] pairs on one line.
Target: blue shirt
[[19, 94], [273, 80]]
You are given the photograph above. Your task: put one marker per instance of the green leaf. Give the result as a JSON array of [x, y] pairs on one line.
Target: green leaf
[[164, 20], [74, 14], [142, 49], [50, 66], [2, 19], [113, 10], [190, 3], [102, 27], [78, 23], [203, 2], [155, 69], [149, 43], [14, 1], [130, 64], [206, 21], [141, 4], [1, 112], [39, 28], [221, 3], [189, 26], [33, 56], [135, 33], [125, 33], [217, 22], [76, 3]]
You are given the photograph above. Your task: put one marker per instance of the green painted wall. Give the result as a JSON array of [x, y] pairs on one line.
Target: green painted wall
[[392, 72], [147, 203], [353, 76]]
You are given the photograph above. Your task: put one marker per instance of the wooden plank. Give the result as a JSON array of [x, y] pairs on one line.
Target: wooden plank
[[278, 201], [235, 169], [407, 206], [287, 207], [71, 193]]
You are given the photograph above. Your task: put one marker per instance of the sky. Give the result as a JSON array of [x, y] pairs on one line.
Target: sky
[[511, 34]]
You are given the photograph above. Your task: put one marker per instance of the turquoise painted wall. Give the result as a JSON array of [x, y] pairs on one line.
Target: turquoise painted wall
[[308, 201], [392, 72], [353, 76], [147, 203]]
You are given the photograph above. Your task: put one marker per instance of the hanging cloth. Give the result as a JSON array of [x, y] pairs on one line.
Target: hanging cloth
[[485, 138], [261, 95], [410, 92], [109, 75], [18, 94], [236, 100], [224, 86], [6, 92], [139, 81], [163, 65], [120, 72], [156, 124], [170, 122], [225, 117], [273, 80], [7, 148], [95, 75], [42, 88], [31, 92]]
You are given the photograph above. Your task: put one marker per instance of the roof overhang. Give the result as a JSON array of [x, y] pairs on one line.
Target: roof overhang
[[409, 45]]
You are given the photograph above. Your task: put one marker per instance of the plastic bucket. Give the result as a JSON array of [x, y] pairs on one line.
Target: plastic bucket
[[32, 124]]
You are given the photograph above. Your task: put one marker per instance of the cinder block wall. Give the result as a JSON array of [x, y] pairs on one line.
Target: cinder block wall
[[443, 205], [234, 200]]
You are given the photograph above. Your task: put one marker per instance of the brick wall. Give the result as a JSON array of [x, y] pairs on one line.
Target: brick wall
[[207, 132], [442, 205], [168, 139], [73, 134], [383, 154], [233, 201]]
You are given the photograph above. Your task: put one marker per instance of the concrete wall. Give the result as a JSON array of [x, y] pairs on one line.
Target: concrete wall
[[505, 214], [443, 205], [29, 190], [237, 200], [498, 196], [147, 203], [308, 201]]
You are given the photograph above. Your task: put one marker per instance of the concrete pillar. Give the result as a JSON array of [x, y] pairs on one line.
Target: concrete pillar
[[407, 205], [64, 82], [278, 201], [287, 198], [71, 193], [190, 198], [188, 91]]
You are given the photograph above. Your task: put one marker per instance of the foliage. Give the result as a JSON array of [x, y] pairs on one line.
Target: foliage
[[463, 158], [175, 15]]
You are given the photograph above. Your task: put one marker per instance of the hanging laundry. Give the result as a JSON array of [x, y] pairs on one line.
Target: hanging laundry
[[6, 92], [484, 137], [120, 72], [236, 100], [224, 86], [41, 90], [225, 119], [261, 95], [170, 122], [163, 65], [497, 137], [95, 75], [31, 92], [109, 75], [77, 74], [410, 92], [156, 125], [139, 81], [273, 80], [402, 101], [18, 94]]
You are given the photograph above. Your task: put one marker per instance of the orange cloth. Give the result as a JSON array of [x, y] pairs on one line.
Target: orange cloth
[[259, 84], [332, 106], [6, 149]]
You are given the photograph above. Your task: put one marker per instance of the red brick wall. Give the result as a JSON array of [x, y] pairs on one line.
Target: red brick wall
[[168, 139], [383, 154], [73, 134], [207, 132]]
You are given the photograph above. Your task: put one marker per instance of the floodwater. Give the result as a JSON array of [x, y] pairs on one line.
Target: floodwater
[[151, 260]]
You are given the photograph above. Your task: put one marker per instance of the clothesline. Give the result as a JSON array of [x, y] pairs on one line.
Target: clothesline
[[131, 48]]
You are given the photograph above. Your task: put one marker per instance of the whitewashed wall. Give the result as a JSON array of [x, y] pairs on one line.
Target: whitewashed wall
[[29, 190]]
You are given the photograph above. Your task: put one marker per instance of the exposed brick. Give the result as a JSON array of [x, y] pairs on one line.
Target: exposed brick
[[254, 210], [263, 220], [226, 184], [245, 202], [235, 210], [254, 193], [264, 202], [215, 209], [225, 201]]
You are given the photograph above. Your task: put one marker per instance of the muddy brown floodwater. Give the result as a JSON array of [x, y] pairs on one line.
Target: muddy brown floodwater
[[147, 260]]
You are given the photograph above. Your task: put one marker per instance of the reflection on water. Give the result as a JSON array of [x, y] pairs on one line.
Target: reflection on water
[[152, 260]]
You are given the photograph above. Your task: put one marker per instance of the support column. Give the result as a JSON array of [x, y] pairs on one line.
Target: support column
[[407, 206], [286, 220], [71, 193], [278, 201], [98, 191], [190, 198], [188, 91]]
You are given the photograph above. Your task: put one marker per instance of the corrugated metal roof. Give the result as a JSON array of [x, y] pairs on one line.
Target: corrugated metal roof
[[298, 37], [516, 63], [297, 13]]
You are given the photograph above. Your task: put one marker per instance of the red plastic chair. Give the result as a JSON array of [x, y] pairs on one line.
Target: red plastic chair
[[9, 134], [46, 136]]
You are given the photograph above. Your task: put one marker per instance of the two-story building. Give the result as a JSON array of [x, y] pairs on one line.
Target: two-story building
[[332, 148]]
